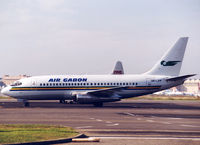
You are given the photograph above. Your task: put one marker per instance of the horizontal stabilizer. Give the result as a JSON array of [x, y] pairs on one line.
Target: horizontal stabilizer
[[180, 77]]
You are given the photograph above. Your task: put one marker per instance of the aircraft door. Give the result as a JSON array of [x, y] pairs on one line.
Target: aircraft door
[[33, 82], [148, 82]]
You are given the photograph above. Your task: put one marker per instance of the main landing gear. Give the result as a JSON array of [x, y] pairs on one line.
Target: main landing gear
[[66, 102], [62, 101], [26, 104]]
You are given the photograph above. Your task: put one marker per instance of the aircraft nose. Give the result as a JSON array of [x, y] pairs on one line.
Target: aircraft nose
[[5, 90]]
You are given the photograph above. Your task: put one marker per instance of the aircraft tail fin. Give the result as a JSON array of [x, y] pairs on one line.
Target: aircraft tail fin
[[170, 63], [118, 70]]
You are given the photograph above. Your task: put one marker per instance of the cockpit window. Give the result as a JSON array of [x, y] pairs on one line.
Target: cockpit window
[[16, 83]]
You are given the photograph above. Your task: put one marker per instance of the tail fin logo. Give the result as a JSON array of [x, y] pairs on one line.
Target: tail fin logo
[[169, 63]]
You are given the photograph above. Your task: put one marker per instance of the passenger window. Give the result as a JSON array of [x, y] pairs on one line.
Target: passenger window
[[43, 84], [91, 84], [117, 84], [120, 84], [124, 84], [108, 84], [40, 84], [95, 84], [133, 84], [127, 84], [102, 84]]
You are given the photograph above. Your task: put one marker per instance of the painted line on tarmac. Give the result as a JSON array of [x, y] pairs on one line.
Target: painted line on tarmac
[[150, 121], [184, 125], [108, 122], [148, 138], [116, 124], [165, 123], [82, 127], [175, 118], [130, 114]]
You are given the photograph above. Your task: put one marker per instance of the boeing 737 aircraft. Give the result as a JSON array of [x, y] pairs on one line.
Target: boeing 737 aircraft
[[97, 89]]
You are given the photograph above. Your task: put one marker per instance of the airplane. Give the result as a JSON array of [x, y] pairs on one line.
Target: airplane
[[98, 89]]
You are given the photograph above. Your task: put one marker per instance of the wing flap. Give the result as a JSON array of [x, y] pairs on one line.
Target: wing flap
[[106, 92]]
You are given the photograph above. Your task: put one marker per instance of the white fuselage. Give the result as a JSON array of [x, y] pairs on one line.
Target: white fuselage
[[56, 87]]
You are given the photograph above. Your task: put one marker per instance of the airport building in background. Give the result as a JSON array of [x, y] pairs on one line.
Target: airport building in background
[[191, 86], [7, 79]]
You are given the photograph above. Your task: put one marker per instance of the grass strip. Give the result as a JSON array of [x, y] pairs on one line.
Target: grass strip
[[20, 133], [5, 97]]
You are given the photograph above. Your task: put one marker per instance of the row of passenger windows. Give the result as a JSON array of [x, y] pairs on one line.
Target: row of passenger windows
[[88, 84]]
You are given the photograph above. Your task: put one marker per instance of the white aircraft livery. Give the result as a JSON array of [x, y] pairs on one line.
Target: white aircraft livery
[[97, 89]]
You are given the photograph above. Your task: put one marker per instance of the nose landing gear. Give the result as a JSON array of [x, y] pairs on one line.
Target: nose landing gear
[[25, 102]]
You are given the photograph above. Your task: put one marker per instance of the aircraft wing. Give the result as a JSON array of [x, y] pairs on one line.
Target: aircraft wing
[[180, 77], [106, 92]]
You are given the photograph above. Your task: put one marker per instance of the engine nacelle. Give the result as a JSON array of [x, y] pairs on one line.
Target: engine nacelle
[[87, 99]]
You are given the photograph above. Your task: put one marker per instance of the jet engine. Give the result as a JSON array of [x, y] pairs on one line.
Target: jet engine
[[88, 99]]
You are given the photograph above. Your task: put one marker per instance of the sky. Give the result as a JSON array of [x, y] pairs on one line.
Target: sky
[[41, 37]]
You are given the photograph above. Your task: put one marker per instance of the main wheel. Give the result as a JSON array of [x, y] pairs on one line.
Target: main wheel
[[62, 101], [98, 104], [26, 104]]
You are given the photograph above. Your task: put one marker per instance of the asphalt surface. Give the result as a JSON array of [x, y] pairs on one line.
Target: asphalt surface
[[124, 122]]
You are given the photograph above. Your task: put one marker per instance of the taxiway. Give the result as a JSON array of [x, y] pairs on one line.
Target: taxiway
[[127, 120]]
